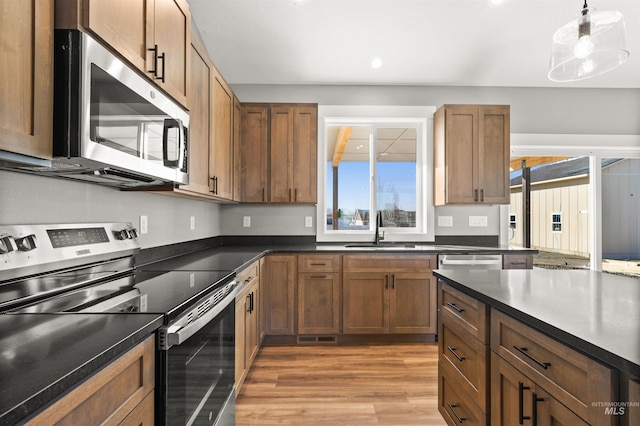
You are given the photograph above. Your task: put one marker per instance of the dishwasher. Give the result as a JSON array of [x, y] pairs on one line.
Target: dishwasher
[[469, 261]]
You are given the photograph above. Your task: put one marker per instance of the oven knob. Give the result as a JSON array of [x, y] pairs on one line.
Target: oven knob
[[27, 243], [7, 244], [123, 234]]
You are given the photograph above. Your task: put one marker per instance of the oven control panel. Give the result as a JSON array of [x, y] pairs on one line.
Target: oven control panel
[[33, 249]]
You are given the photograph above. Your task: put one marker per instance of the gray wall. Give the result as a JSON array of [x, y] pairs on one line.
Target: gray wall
[[27, 199]]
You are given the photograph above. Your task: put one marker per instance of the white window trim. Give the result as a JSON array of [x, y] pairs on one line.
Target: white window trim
[[332, 115]]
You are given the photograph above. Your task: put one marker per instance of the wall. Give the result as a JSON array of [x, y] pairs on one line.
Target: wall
[[27, 199]]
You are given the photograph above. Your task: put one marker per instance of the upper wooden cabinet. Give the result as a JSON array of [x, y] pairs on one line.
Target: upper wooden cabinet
[[221, 154], [153, 35], [279, 151], [26, 85], [237, 120], [471, 154]]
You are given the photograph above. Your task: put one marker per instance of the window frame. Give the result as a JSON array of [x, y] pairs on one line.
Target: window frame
[[380, 117]]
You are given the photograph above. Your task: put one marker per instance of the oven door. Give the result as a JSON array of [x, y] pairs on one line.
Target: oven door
[[198, 370]]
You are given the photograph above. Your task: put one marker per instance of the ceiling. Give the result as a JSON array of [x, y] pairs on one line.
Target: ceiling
[[420, 42]]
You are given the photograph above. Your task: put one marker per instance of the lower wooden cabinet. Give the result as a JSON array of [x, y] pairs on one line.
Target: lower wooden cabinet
[[385, 294], [247, 322], [280, 294], [455, 406], [120, 393], [632, 413], [319, 288]]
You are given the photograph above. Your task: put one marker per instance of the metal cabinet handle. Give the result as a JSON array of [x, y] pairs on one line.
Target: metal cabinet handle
[[154, 71], [163, 62], [393, 281], [248, 297], [318, 276], [534, 411], [475, 195], [295, 194], [524, 352], [452, 408], [454, 307], [482, 195], [318, 264], [521, 416], [386, 281], [453, 351], [263, 194]]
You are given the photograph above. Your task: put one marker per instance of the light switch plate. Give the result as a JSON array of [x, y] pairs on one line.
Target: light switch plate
[[308, 221], [478, 221], [246, 221], [144, 224], [192, 223]]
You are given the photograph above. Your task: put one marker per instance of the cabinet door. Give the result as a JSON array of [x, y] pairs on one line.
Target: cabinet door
[[170, 30], [461, 154], [261, 305], [237, 123], [199, 98], [251, 326], [493, 155], [221, 160], [365, 299], [511, 394], [304, 152], [26, 85], [121, 24], [280, 294], [318, 303], [412, 304], [281, 145], [253, 153], [240, 366], [547, 411]]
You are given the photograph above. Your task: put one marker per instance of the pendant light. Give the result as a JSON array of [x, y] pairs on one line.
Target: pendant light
[[589, 45]]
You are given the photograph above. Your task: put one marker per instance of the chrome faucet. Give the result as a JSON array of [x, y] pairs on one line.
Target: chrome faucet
[[379, 224]]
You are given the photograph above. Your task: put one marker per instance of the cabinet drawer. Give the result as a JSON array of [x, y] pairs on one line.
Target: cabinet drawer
[[633, 411], [465, 358], [318, 263], [388, 263], [456, 407], [574, 379], [467, 312], [248, 276]]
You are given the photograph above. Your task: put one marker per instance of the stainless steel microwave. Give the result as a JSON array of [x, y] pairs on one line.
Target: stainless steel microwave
[[111, 125]]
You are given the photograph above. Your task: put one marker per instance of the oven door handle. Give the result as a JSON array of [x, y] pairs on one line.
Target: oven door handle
[[171, 335]]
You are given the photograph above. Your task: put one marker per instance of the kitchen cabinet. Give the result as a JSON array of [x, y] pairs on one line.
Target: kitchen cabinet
[[221, 154], [279, 152], [26, 86], [632, 413], [154, 35], [237, 162], [280, 294], [463, 353], [517, 261], [253, 153], [319, 294], [471, 154], [571, 378], [247, 322], [123, 391], [385, 294]]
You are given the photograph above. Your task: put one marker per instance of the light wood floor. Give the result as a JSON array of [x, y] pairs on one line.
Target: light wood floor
[[342, 385]]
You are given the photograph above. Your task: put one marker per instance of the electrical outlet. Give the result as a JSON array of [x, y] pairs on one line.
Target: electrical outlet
[[478, 221], [246, 221], [308, 221], [144, 224], [192, 223], [445, 221]]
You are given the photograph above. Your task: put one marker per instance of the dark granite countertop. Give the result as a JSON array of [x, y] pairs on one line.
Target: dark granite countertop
[[44, 355], [595, 313]]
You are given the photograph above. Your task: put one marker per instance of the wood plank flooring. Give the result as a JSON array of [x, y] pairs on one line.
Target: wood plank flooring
[[342, 385]]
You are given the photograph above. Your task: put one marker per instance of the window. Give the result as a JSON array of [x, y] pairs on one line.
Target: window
[[556, 222], [372, 164]]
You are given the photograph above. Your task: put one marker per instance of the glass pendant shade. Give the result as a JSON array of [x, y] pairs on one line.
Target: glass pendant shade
[[591, 44]]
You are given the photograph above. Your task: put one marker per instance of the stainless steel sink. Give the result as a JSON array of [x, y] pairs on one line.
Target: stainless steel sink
[[383, 244]]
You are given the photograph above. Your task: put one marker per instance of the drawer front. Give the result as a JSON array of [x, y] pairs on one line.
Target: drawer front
[[467, 312], [574, 379], [319, 263], [456, 407], [388, 263], [248, 275], [519, 261], [465, 358]]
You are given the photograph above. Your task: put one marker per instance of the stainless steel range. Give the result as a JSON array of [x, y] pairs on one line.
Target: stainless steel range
[[91, 268]]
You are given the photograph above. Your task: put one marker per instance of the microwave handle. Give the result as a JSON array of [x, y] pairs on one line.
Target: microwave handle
[[174, 123]]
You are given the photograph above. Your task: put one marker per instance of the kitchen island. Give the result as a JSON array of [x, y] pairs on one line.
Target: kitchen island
[[558, 329]]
